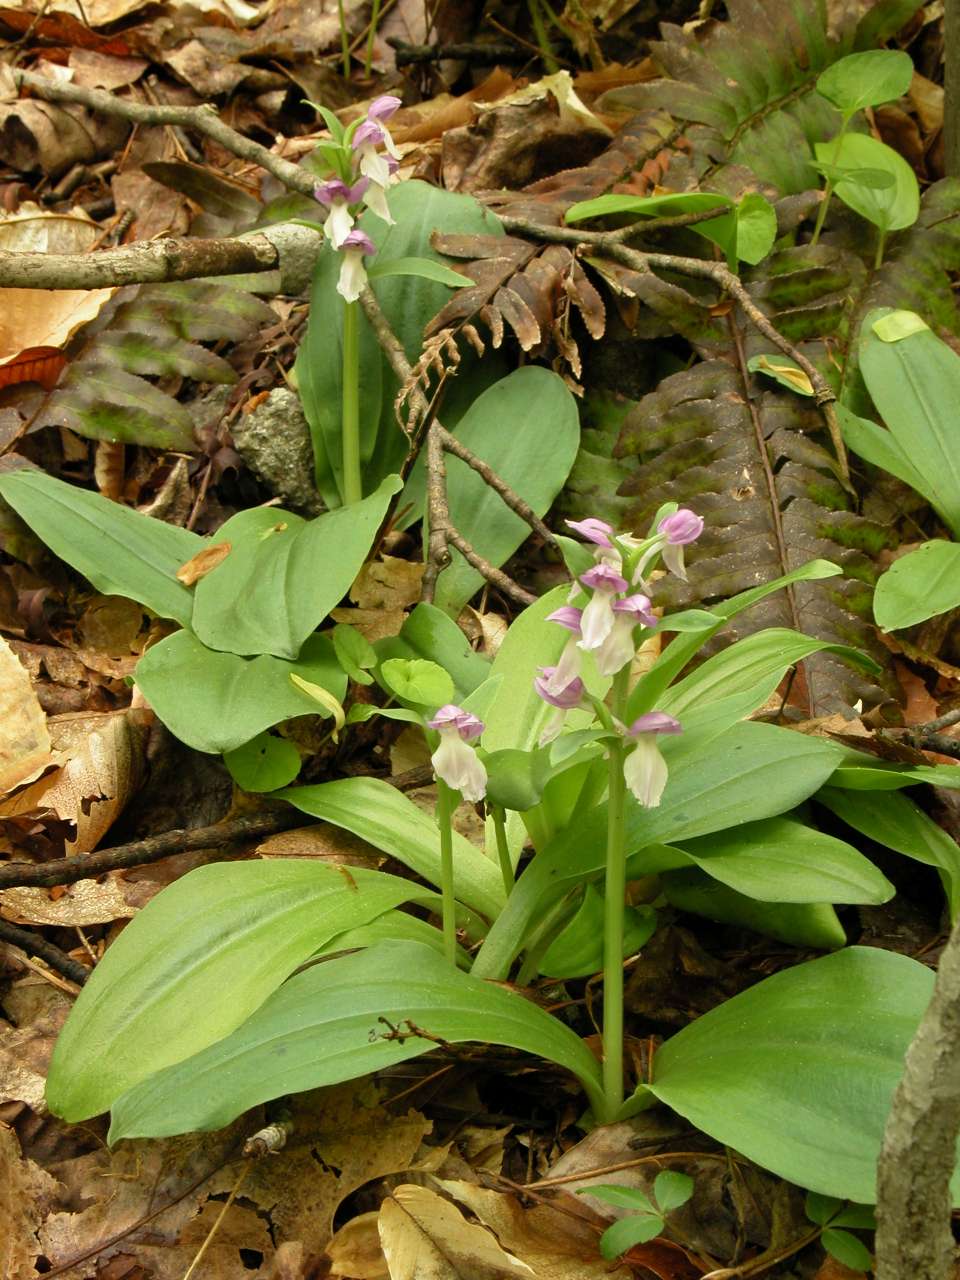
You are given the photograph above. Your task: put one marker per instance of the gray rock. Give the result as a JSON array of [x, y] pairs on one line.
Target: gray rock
[[274, 441]]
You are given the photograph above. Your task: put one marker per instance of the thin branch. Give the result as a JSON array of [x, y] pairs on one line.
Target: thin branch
[[139, 852], [144, 262], [34, 945], [203, 119], [607, 244], [511, 499], [644, 226]]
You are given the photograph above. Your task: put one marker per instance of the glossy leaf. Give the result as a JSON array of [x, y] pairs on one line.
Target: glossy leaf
[[919, 585], [890, 208], [915, 384], [380, 814], [163, 991], [265, 763], [846, 1248], [417, 681], [534, 461], [860, 772], [218, 701], [623, 1234], [866, 79], [884, 450], [118, 550], [797, 1073], [577, 951], [338, 1020], [425, 268], [895, 821], [354, 652], [431, 634], [284, 574], [798, 924]]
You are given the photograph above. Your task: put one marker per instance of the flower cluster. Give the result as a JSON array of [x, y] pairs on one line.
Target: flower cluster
[[364, 174], [455, 761], [606, 625]]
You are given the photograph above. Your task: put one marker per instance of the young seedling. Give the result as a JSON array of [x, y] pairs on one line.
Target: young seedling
[[648, 1217], [833, 1216]]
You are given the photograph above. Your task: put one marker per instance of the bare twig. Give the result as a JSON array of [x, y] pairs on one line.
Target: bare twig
[[203, 119], [610, 245], [917, 1159], [643, 226], [477, 53], [34, 945], [139, 852], [145, 262]]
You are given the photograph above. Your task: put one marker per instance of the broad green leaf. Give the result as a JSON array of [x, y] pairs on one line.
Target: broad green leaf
[[745, 235], [392, 926], [332, 1023], [218, 701], [915, 384], [515, 779], [198, 960], [650, 688], [425, 268], [889, 208], [535, 461], [284, 574], [750, 772], [821, 1209], [846, 1248], [430, 633], [120, 551], [354, 652], [919, 585], [898, 325], [866, 79], [797, 1073], [380, 814], [782, 860], [265, 763], [417, 681], [577, 951], [895, 821], [410, 303], [799, 924], [662, 206], [672, 1189], [860, 772]]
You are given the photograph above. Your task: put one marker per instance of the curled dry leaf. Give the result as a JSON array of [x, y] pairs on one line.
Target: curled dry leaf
[[24, 736], [100, 758], [355, 1251], [422, 1234], [38, 1010], [203, 562], [35, 324], [84, 903]]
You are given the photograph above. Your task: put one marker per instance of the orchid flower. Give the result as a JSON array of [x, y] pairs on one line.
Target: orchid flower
[[679, 530], [645, 770], [564, 699], [366, 143], [597, 619], [455, 762], [619, 648], [593, 530], [568, 665], [353, 275], [335, 195]]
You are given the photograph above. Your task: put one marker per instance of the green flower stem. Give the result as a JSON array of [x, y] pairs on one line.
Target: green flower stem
[[828, 189], [615, 889], [446, 804], [503, 850], [374, 20], [881, 244], [350, 409]]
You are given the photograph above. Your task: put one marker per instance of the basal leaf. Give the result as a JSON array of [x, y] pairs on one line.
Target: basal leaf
[[216, 701], [919, 585], [866, 79], [120, 551], [798, 924], [164, 991], [890, 208], [797, 1073], [340, 1019]]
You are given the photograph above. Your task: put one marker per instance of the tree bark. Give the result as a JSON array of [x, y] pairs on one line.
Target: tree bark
[[914, 1236]]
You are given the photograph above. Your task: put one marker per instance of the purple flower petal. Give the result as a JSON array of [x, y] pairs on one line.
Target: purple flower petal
[[682, 528], [654, 722], [451, 718], [565, 699], [593, 530], [369, 134], [383, 108], [603, 577], [332, 189], [356, 192], [567, 616], [639, 606], [358, 239]]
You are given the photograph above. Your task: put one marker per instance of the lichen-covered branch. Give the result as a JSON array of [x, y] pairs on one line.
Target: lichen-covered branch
[[914, 1236]]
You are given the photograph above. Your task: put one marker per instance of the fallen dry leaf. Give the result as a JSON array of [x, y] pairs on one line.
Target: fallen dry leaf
[[24, 736], [38, 1011], [203, 562], [387, 583], [84, 903], [325, 842], [425, 1237], [25, 1192], [355, 1252]]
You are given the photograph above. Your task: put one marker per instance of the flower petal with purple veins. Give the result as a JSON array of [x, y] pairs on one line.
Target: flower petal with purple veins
[[593, 530], [358, 239], [332, 189], [384, 107], [567, 616], [450, 716], [654, 722], [566, 698], [369, 133], [639, 606]]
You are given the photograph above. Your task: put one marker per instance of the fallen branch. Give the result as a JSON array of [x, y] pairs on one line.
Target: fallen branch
[[34, 945], [914, 1236]]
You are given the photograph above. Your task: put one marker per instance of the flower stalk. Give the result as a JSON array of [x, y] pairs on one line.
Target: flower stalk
[[350, 404], [446, 806], [615, 890]]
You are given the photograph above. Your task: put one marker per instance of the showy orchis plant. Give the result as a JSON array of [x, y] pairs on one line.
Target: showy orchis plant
[[458, 769], [362, 174], [610, 621]]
